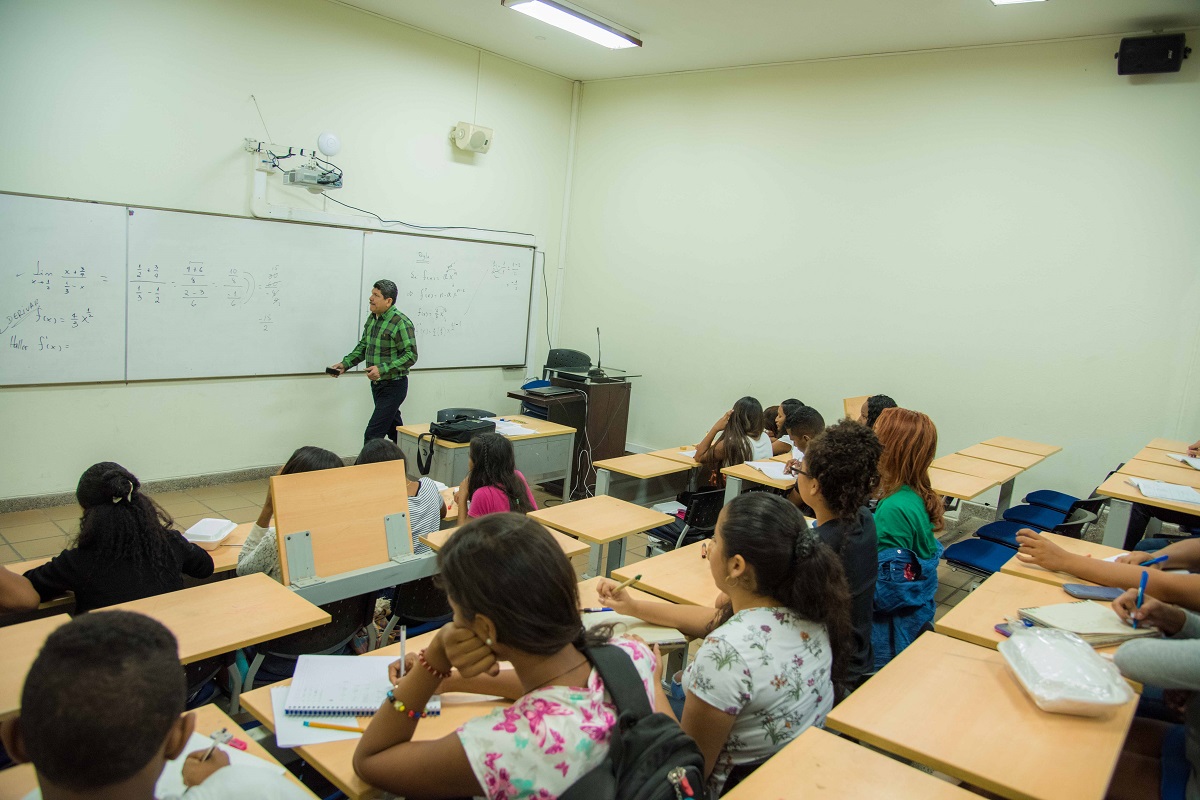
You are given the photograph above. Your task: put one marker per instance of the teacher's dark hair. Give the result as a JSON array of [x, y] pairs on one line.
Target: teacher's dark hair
[[120, 520], [509, 568], [100, 699], [387, 289], [792, 565], [493, 463]]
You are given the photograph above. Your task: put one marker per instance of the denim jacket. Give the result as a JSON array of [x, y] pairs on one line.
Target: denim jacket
[[904, 602]]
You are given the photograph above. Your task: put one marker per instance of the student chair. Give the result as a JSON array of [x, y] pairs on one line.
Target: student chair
[[699, 521], [418, 605], [1001, 532], [528, 410], [451, 413], [1038, 517], [978, 556], [1055, 501], [348, 615]]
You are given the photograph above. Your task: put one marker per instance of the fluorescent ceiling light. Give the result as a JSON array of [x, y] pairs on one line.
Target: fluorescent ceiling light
[[1014, 2], [576, 21]]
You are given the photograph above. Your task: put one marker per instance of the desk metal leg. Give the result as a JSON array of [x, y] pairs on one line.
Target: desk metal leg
[[1006, 490], [603, 478], [616, 557], [1118, 522], [693, 479], [566, 495], [733, 487], [596, 561]]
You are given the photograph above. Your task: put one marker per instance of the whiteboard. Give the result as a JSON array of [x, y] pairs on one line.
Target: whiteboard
[[469, 301], [62, 287], [213, 296]]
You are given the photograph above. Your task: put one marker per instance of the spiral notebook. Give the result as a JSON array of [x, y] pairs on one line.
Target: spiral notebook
[[327, 686]]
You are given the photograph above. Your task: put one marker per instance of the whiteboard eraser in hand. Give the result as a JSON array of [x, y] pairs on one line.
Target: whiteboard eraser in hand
[[209, 533]]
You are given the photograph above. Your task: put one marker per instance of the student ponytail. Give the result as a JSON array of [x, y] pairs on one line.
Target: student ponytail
[[121, 521], [792, 565], [745, 423]]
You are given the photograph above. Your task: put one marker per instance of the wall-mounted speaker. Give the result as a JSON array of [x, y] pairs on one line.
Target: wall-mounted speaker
[[1146, 55], [473, 138]]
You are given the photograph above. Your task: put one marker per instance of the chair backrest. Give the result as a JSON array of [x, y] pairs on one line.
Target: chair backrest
[[348, 615], [451, 413], [853, 406], [703, 508], [1074, 524]]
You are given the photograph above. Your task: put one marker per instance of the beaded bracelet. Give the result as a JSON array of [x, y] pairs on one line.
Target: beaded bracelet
[[399, 706], [428, 666]]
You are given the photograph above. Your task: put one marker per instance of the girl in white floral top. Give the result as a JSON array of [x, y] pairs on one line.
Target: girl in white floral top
[[775, 654], [515, 599]]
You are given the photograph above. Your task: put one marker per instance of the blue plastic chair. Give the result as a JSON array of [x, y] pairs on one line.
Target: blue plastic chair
[[1001, 532], [978, 556], [1044, 519], [1048, 498]]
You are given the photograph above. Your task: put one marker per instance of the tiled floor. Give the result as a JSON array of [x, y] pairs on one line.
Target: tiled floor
[[46, 531]]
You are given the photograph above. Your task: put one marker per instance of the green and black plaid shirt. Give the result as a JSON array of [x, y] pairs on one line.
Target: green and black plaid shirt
[[388, 342]]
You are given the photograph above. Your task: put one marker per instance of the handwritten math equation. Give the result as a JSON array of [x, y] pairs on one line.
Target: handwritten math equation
[[193, 285]]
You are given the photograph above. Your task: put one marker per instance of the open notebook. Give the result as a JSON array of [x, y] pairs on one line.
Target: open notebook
[[1161, 490], [1182, 458], [1095, 623], [772, 469], [338, 686], [170, 782], [650, 634]]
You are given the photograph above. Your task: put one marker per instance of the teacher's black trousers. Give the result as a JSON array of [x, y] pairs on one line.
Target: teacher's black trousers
[[388, 396]]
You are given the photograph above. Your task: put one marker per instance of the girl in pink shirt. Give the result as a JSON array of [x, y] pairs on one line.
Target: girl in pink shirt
[[493, 483]]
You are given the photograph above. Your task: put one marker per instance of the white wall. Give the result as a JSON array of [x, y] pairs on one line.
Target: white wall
[[1003, 238], [146, 102]]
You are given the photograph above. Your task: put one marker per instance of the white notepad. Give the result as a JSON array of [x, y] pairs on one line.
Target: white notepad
[[1192, 462], [1161, 490], [622, 625], [291, 732], [338, 686], [1096, 623], [170, 782], [772, 469]]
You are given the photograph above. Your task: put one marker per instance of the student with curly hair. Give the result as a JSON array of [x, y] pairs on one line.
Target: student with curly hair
[[873, 407], [906, 519], [838, 475], [127, 547]]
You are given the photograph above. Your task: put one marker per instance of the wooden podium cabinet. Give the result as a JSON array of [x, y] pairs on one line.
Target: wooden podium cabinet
[[602, 411]]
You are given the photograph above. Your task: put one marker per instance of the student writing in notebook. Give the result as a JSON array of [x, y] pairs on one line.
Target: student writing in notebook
[[102, 713], [127, 547], [1158, 756], [906, 521], [515, 599], [493, 483], [737, 437], [260, 553], [802, 424], [778, 649]]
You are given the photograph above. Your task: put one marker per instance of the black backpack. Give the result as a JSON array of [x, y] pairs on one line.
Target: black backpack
[[649, 755]]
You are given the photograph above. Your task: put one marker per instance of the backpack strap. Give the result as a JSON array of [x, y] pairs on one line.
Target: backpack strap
[[423, 464], [621, 680]]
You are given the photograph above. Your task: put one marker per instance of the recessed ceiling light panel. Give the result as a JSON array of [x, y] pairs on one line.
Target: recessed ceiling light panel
[[577, 21]]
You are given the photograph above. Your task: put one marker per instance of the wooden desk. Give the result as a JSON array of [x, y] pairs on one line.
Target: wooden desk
[[1157, 456], [540, 456], [19, 646], [680, 576], [955, 707], [820, 766], [642, 478], [1185, 476], [1123, 496], [956, 484], [1003, 474], [1023, 446], [1020, 569], [20, 780], [1169, 445], [572, 547], [676, 454], [601, 521], [1002, 455], [736, 476], [975, 617]]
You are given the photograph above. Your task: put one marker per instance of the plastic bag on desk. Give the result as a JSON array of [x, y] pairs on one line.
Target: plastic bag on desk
[[1063, 674]]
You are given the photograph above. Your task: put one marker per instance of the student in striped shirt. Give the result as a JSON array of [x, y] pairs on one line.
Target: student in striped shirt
[[425, 507]]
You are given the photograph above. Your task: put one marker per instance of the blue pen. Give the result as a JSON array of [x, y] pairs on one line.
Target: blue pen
[[1155, 560], [593, 610], [1141, 592]]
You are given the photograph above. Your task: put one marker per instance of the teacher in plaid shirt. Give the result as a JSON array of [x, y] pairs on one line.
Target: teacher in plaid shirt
[[389, 346]]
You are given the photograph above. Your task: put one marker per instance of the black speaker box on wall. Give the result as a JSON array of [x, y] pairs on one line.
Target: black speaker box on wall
[[1149, 54]]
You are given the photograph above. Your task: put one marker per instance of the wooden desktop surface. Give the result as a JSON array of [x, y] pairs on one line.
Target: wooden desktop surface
[[954, 706], [1023, 446], [956, 484], [601, 519], [1170, 445], [19, 646], [643, 466], [1179, 474], [680, 576], [1020, 569], [571, 546], [749, 473], [1117, 486], [1002, 455], [676, 454], [540, 427], [1158, 456], [18, 781], [817, 765], [975, 617], [957, 462], [343, 510]]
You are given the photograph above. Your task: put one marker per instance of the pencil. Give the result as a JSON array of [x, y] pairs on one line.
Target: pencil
[[627, 583], [331, 727]]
